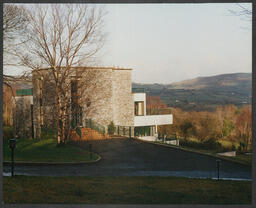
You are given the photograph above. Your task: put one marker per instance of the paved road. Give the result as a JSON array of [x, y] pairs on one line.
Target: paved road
[[131, 157]]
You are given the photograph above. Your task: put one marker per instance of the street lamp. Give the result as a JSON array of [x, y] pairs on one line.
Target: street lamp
[[12, 144], [218, 168], [90, 150]]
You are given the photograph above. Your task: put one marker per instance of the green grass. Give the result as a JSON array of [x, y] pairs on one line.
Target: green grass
[[226, 143], [240, 158], [45, 150], [124, 190]]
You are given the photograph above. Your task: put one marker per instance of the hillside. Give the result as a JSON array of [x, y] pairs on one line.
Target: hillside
[[203, 93]]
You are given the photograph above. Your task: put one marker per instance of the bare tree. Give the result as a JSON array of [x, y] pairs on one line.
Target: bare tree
[[15, 22], [242, 11], [244, 126], [63, 37]]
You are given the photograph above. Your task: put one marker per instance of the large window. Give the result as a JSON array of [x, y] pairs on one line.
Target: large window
[[75, 107], [139, 108]]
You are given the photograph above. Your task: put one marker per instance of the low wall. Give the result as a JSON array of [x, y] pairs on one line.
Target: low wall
[[227, 154], [153, 120], [173, 142]]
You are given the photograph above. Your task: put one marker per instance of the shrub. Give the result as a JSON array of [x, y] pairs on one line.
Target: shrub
[[111, 128], [8, 132], [48, 133], [212, 144], [241, 147], [190, 143]]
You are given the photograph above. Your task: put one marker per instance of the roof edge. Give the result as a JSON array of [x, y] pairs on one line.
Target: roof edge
[[86, 67]]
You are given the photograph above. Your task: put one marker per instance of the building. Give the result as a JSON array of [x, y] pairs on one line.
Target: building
[[22, 109], [98, 94]]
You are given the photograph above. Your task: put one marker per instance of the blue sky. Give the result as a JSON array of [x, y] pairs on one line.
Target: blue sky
[[165, 43]]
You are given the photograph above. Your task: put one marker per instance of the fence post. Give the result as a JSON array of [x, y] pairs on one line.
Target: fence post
[[90, 150], [90, 123], [218, 168]]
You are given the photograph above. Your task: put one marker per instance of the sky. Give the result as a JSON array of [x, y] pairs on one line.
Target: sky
[[165, 43]]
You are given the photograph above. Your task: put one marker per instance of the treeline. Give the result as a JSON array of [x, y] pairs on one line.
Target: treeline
[[228, 122]]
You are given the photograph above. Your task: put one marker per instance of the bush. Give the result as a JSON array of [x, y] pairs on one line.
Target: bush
[[210, 144], [190, 143], [241, 147], [111, 128], [48, 133], [233, 148], [8, 132]]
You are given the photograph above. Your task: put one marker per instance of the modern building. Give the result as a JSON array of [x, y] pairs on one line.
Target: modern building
[[99, 94]]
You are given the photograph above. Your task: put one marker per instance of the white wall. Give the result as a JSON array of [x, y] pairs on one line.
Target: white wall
[[153, 120], [139, 97]]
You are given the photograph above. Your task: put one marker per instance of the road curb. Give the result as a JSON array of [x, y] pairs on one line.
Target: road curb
[[23, 163], [197, 152]]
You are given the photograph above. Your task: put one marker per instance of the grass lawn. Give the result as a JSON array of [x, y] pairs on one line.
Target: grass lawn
[[240, 158], [245, 159], [45, 150], [124, 190], [227, 143]]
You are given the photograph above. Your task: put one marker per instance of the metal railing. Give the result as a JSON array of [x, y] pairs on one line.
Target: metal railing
[[79, 131], [89, 123], [138, 90], [123, 131]]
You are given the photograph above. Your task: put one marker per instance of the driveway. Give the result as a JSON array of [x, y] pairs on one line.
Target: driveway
[[132, 157]]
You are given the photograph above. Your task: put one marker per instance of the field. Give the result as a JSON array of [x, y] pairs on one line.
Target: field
[[124, 190], [194, 145]]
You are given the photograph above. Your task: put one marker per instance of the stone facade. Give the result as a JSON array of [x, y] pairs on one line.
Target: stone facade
[[22, 116], [44, 101], [97, 95], [123, 105], [103, 93]]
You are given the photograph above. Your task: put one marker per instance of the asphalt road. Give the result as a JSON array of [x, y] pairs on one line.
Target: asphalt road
[[131, 157]]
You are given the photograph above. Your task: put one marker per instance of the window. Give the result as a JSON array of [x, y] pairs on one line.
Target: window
[[139, 108]]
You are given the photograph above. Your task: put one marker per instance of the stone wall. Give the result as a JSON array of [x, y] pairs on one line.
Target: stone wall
[[96, 97], [44, 101], [22, 116], [123, 104], [103, 93]]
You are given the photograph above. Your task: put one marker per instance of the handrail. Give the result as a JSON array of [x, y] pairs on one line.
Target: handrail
[[89, 123], [78, 131], [138, 90], [123, 130]]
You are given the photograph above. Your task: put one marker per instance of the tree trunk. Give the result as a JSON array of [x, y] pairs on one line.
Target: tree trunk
[[58, 116], [63, 126]]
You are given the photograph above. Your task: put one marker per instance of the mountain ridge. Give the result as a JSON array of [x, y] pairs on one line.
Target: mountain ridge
[[241, 75], [195, 94]]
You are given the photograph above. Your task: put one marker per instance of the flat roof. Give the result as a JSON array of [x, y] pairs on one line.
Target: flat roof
[[87, 67]]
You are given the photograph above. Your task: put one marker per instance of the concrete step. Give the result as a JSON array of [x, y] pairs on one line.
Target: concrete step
[[88, 134]]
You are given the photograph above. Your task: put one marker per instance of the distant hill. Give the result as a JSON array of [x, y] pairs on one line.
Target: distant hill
[[238, 80], [203, 93]]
